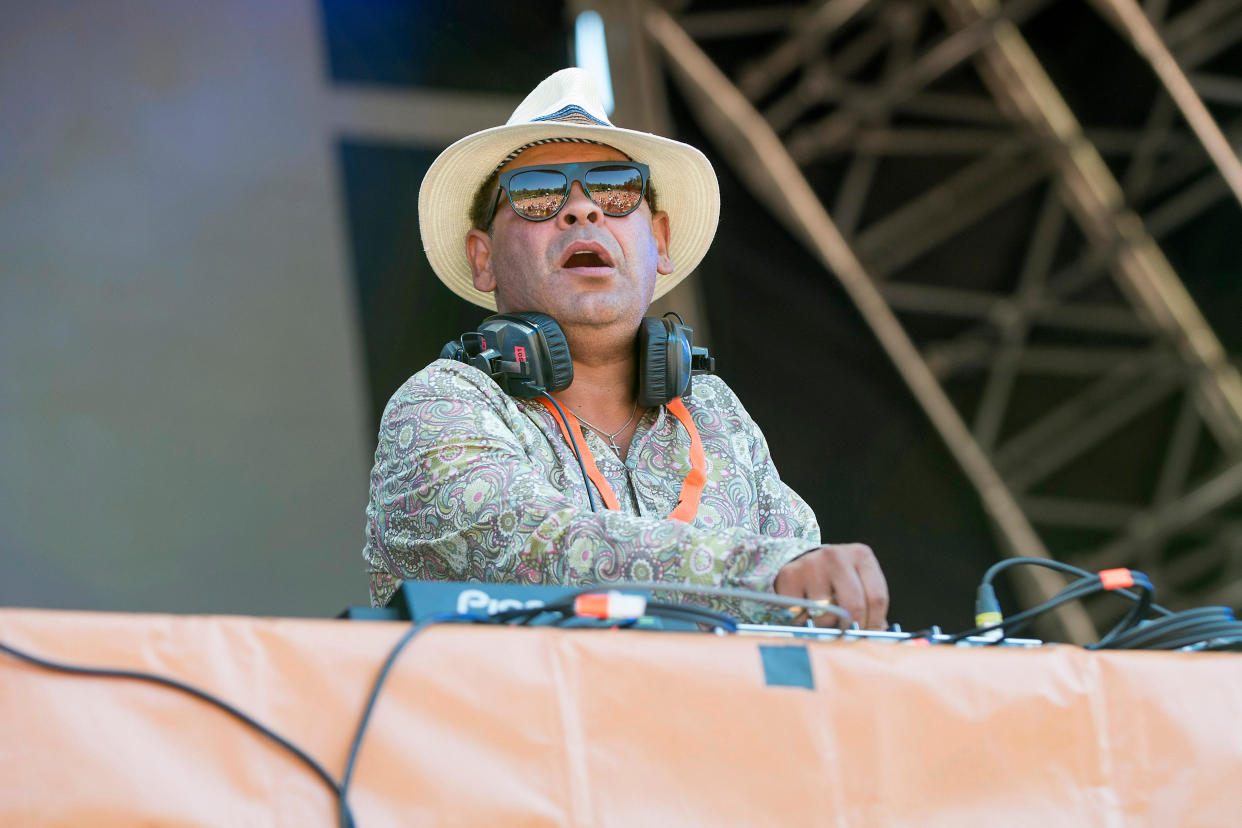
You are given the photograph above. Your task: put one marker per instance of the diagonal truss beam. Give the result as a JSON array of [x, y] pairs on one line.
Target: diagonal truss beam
[[770, 171], [1016, 77], [1129, 18], [948, 207], [807, 143], [1218, 491]]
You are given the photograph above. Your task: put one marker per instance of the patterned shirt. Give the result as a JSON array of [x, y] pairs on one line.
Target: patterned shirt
[[470, 484]]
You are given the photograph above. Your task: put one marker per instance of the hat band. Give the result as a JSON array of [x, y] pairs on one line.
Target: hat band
[[541, 142], [574, 114]]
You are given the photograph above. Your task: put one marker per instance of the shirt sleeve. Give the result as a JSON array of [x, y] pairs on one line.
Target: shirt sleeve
[[454, 496]]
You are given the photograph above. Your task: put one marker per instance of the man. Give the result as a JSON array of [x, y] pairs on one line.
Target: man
[[472, 484]]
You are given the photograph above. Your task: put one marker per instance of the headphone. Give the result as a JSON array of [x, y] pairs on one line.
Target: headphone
[[526, 354]]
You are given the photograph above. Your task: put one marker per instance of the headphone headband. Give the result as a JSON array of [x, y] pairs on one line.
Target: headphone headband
[[526, 353]]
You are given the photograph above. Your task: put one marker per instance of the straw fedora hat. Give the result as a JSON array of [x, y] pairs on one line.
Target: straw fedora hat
[[565, 106]]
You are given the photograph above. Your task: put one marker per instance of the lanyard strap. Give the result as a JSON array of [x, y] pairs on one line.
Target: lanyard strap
[[588, 459], [691, 487]]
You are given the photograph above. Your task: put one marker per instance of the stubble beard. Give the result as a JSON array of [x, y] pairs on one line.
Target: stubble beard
[[556, 295]]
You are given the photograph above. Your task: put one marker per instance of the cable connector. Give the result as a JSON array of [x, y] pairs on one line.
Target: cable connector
[[1116, 578], [988, 612], [611, 606]]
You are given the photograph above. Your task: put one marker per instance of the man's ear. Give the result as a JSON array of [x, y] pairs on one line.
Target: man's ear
[[662, 231], [479, 254]]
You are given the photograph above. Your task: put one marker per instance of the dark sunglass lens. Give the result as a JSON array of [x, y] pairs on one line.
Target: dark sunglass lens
[[537, 194], [617, 190]]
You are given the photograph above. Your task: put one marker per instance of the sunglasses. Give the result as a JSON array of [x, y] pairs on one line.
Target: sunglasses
[[538, 193]]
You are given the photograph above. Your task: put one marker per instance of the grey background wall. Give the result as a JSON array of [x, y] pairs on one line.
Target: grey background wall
[[183, 416]]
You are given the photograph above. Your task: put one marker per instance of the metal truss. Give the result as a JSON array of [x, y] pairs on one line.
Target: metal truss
[[1091, 305]]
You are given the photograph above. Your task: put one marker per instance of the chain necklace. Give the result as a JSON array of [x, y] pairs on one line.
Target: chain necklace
[[612, 438]]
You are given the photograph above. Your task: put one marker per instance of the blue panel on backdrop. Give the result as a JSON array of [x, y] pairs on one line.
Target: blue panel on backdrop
[[504, 48]]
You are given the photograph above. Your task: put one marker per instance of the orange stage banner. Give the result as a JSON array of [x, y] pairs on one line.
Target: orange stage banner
[[540, 726]]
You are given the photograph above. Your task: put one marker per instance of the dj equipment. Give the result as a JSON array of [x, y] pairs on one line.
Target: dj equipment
[[893, 635], [419, 601], [525, 352]]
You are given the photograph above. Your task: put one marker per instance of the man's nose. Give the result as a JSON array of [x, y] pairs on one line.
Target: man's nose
[[579, 208]]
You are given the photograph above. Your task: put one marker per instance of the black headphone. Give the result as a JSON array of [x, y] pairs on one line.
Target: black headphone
[[526, 354]]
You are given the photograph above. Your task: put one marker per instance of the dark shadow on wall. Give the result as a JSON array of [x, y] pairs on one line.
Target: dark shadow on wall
[[503, 48], [407, 314]]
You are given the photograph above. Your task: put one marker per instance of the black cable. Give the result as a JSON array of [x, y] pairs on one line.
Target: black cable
[[1193, 626], [674, 613], [577, 622], [356, 745], [1152, 634], [783, 601], [586, 481], [656, 609], [1078, 589], [1215, 628], [988, 615], [1090, 585], [688, 612], [998, 567], [1200, 637], [102, 672], [524, 615]]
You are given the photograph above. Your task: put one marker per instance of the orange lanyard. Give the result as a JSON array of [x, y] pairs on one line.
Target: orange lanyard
[[691, 487]]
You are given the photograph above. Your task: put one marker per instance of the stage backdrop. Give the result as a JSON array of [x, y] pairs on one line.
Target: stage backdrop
[[183, 423]]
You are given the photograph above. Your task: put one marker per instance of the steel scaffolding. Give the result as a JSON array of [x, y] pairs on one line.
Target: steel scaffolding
[[856, 81]]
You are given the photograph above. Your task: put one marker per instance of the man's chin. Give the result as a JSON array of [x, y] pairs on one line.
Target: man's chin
[[582, 306], [599, 309]]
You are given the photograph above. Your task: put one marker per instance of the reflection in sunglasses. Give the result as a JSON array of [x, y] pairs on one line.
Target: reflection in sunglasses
[[540, 193], [537, 206], [542, 203], [617, 201]]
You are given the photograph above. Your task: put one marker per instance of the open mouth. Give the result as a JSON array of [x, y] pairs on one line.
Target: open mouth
[[586, 254], [585, 258]]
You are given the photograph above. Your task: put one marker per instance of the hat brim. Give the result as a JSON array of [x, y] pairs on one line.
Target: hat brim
[[683, 177]]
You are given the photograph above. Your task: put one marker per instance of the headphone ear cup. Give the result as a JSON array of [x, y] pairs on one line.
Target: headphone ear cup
[[560, 363], [653, 361]]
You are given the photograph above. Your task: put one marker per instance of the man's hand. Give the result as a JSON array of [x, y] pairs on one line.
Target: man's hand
[[845, 574]]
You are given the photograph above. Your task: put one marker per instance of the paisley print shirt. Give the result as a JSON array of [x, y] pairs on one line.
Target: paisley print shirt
[[470, 484]]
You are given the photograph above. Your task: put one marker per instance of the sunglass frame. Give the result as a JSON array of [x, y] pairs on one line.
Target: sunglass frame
[[572, 172]]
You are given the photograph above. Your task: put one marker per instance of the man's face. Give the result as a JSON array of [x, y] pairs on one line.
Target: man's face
[[582, 267]]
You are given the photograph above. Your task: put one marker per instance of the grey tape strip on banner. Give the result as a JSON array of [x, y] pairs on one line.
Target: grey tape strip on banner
[[787, 666]]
